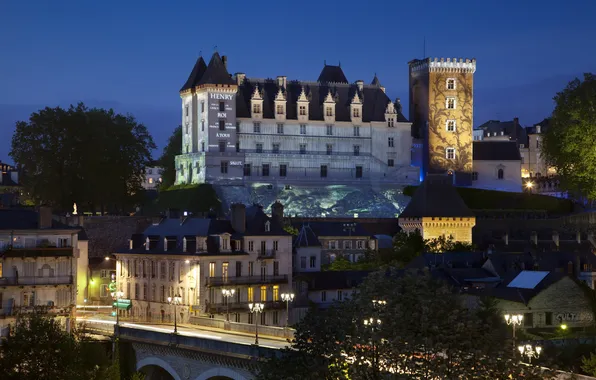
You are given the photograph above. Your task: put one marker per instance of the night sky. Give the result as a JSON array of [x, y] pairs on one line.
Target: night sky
[[135, 55]]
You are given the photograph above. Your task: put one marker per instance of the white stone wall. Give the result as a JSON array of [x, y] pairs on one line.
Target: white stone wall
[[488, 175], [303, 255]]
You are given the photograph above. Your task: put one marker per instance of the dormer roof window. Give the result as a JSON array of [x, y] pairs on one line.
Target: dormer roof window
[[267, 226]]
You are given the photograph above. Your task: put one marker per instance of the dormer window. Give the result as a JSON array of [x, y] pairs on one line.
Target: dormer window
[[267, 226], [256, 108], [328, 111], [356, 112], [391, 122], [451, 83], [302, 110], [280, 109]]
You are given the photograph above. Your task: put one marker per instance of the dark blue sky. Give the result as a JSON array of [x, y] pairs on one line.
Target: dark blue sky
[[135, 55]]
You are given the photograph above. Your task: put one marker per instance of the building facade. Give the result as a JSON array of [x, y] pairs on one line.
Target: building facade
[[497, 165], [42, 263], [152, 178], [441, 110], [196, 259], [238, 129]]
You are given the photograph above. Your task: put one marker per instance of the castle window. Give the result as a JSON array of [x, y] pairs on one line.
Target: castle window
[[256, 126], [356, 112], [203, 146], [329, 149], [302, 129], [222, 146], [323, 171], [203, 106], [450, 153], [202, 125], [222, 106], [275, 148], [450, 103], [222, 125], [329, 129], [500, 173], [280, 109], [356, 130], [329, 111], [302, 110], [186, 110], [247, 170], [265, 170], [474, 176], [302, 148], [451, 83], [356, 150], [390, 122], [187, 128], [358, 171], [280, 128], [237, 146], [390, 142], [283, 170], [224, 167], [259, 148], [450, 125], [390, 163], [256, 108]]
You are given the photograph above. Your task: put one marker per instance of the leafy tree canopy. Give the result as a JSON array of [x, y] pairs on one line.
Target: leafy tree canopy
[[423, 331], [167, 158], [568, 144], [89, 156]]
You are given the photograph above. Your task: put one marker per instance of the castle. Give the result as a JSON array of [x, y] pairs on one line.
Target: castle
[[244, 133]]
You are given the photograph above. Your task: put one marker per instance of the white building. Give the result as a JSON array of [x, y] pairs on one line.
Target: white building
[[42, 263], [196, 258], [152, 178], [497, 165], [238, 129]]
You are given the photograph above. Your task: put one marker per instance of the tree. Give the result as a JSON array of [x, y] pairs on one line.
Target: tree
[[92, 157], [589, 364], [39, 349], [168, 157], [568, 144], [423, 331]]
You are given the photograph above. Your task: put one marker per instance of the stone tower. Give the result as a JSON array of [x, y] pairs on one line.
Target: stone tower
[[441, 111]]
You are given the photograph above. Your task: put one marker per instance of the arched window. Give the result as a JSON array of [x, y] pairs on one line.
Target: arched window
[[500, 174]]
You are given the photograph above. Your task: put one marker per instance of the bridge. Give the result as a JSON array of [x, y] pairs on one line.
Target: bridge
[[194, 353]]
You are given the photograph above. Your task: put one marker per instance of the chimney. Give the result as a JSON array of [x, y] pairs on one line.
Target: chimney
[[240, 78], [238, 217], [277, 211], [224, 59], [360, 84], [556, 238], [282, 81], [515, 126], [534, 238], [506, 238], [538, 129], [578, 237], [45, 217], [398, 106]]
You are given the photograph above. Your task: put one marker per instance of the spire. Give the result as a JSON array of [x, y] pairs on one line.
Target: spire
[[302, 97], [216, 72], [195, 75], [256, 94], [356, 98], [376, 81], [280, 95], [329, 98]]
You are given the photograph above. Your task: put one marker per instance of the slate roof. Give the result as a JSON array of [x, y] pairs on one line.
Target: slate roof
[[306, 238], [335, 228], [194, 77], [544, 126], [331, 280], [436, 196], [376, 81], [25, 219], [216, 72], [507, 127], [256, 220], [332, 74], [506, 264], [496, 151], [448, 259]]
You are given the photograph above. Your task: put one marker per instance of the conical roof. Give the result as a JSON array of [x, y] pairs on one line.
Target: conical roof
[[216, 72], [195, 75], [376, 81], [436, 196]]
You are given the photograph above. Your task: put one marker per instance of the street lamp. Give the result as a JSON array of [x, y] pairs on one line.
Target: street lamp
[[256, 309], [287, 298], [176, 300], [227, 294], [117, 295], [514, 320], [530, 351], [377, 304], [374, 325]]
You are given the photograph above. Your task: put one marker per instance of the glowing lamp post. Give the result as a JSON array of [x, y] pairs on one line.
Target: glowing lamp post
[[227, 294], [530, 351], [374, 325], [514, 320], [287, 298], [176, 300], [117, 296], [256, 309]]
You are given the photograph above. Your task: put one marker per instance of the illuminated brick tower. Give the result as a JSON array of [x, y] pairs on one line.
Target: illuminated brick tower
[[441, 110]]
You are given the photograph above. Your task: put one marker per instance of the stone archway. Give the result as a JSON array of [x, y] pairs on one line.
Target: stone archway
[[221, 374], [157, 369]]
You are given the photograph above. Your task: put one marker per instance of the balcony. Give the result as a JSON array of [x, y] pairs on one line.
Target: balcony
[[266, 254], [246, 280], [221, 308], [36, 280], [38, 252]]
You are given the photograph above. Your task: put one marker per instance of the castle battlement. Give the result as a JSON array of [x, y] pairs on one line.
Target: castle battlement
[[444, 65]]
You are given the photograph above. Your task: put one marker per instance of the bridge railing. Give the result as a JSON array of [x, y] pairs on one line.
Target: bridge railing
[[246, 328]]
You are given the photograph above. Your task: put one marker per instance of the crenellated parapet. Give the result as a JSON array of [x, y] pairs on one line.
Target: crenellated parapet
[[444, 65]]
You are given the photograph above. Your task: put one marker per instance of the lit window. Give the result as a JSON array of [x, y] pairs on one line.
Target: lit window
[[280, 109], [356, 112], [451, 84], [450, 125], [450, 153], [329, 111], [150, 180], [256, 108], [450, 103]]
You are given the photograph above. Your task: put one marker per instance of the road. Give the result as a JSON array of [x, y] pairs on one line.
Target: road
[[189, 330]]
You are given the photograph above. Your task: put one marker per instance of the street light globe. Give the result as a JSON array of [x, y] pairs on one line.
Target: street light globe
[[521, 349], [563, 327], [529, 184]]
